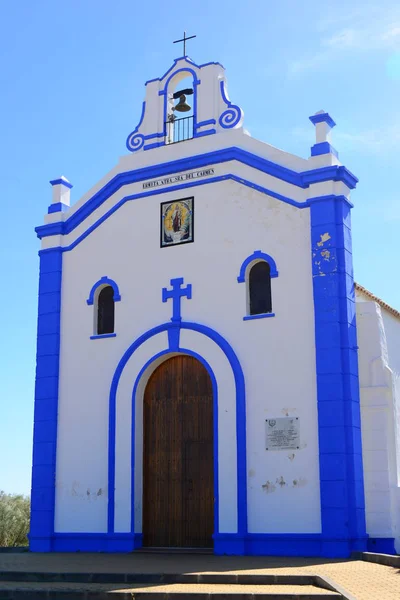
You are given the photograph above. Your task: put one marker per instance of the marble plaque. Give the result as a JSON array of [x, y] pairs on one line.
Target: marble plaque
[[283, 433]]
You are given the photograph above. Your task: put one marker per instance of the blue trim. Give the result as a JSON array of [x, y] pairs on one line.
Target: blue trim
[[155, 145], [104, 281], [257, 255], [322, 118], [340, 452], [334, 172], [207, 132], [215, 428], [204, 123], [381, 545], [102, 335], [46, 402], [41, 231], [171, 69], [255, 544], [261, 316], [283, 544], [231, 117], [331, 197], [176, 294], [189, 61], [302, 180], [211, 63], [94, 542], [57, 207], [153, 136], [135, 140], [240, 414], [50, 229], [189, 69], [61, 182], [323, 148]]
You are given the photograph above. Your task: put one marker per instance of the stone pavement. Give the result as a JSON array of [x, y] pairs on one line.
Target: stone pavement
[[277, 590], [362, 580]]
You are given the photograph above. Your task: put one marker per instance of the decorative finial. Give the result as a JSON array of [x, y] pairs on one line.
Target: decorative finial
[[184, 40], [323, 124], [61, 194]]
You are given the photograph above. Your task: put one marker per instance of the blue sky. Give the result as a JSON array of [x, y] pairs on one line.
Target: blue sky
[[72, 76]]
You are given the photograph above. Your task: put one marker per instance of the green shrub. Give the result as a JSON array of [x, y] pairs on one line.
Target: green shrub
[[14, 519]]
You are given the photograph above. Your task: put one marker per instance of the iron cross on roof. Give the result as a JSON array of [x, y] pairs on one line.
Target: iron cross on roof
[[184, 39]]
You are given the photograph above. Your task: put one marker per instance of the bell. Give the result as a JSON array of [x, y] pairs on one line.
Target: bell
[[182, 106]]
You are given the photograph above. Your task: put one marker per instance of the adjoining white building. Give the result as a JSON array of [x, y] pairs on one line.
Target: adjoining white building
[[199, 365], [378, 332]]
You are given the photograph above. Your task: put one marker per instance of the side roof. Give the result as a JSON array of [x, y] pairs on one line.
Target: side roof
[[376, 299]]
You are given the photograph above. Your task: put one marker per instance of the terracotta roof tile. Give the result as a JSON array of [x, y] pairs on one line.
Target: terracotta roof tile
[[383, 304]]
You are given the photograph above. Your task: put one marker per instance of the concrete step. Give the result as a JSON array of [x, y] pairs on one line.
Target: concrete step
[[160, 578], [17, 590]]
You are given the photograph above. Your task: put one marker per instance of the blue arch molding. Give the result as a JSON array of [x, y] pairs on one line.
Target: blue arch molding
[[302, 180], [137, 537], [104, 281], [257, 255], [223, 543]]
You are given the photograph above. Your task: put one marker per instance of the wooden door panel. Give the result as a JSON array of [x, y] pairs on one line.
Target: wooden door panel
[[178, 495]]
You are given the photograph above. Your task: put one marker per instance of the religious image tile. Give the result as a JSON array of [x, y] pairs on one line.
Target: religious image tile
[[177, 222]]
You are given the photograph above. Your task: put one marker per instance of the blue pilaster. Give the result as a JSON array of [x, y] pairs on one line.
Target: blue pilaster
[[46, 402], [340, 454]]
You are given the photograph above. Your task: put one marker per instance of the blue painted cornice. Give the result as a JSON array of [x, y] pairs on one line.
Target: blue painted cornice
[[322, 118], [302, 180], [61, 181]]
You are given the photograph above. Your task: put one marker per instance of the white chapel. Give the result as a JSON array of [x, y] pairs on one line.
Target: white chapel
[[208, 373]]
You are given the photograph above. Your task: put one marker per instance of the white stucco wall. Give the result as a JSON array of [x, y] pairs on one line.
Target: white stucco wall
[[231, 221], [379, 367]]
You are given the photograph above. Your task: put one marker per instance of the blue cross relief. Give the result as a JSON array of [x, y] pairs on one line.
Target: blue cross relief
[[176, 294]]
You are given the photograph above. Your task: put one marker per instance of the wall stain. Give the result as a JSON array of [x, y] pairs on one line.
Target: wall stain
[[252, 473], [291, 456], [99, 493], [300, 482], [287, 411], [268, 487], [280, 481]]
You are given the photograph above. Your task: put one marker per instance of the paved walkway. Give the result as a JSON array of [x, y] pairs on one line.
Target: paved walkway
[[365, 581], [276, 590]]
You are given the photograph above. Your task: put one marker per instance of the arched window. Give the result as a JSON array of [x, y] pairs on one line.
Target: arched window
[[105, 310], [102, 297], [260, 301], [256, 271]]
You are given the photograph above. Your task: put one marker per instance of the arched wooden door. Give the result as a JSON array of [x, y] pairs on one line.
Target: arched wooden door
[[178, 473]]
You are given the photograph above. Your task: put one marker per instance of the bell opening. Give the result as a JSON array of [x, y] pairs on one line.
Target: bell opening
[[179, 125]]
